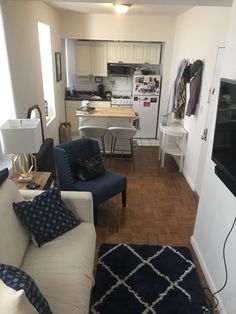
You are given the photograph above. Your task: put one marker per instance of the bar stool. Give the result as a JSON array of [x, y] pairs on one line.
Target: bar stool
[[122, 133], [96, 132]]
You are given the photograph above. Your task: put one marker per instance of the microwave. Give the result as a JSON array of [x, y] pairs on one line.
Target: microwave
[[116, 69]]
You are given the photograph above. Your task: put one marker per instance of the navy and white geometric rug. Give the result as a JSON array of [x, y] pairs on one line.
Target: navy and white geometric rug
[[148, 279]]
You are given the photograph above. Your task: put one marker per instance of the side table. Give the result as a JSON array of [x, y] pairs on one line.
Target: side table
[[44, 179], [173, 141]]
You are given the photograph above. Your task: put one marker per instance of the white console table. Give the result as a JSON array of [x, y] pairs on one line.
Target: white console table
[[173, 141]]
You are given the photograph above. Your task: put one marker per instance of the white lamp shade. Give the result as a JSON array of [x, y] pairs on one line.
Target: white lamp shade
[[21, 136]]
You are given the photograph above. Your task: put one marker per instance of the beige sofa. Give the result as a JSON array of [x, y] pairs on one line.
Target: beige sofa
[[62, 268]]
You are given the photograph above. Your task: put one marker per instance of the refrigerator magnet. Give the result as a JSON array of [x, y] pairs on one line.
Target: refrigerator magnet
[[146, 104]]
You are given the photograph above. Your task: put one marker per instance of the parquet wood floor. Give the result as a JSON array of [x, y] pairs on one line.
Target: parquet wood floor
[[161, 207]]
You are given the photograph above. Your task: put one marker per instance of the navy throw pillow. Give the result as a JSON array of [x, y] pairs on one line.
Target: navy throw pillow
[[91, 167], [4, 175], [46, 216], [17, 279]]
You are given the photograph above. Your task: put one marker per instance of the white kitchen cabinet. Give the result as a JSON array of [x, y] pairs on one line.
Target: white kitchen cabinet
[[153, 53], [147, 53], [91, 58], [127, 52], [83, 58], [71, 107], [139, 53], [120, 52], [99, 58], [113, 52]]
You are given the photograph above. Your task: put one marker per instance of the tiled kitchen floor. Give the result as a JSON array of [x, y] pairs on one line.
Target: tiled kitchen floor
[[147, 142], [138, 141]]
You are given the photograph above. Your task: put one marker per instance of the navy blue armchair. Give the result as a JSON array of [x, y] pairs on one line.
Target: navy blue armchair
[[102, 187]]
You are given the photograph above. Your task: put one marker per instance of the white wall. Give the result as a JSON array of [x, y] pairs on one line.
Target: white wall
[[21, 23], [217, 208], [126, 28], [70, 59], [199, 32]]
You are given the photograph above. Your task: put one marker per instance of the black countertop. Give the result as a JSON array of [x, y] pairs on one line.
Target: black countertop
[[85, 95], [86, 98]]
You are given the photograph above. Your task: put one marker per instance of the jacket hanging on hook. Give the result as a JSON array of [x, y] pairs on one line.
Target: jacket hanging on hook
[[172, 97], [195, 86], [180, 100]]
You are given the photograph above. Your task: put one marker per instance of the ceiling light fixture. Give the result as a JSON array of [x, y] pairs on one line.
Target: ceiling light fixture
[[121, 8]]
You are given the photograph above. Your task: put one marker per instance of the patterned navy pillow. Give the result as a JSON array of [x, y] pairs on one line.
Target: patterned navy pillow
[[3, 175], [17, 279], [46, 215]]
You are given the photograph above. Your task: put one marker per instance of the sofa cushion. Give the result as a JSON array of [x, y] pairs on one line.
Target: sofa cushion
[[14, 302], [14, 236], [46, 215], [63, 269], [17, 279], [3, 175]]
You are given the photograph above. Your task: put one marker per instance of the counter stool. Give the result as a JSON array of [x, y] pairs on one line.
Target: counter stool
[[122, 133], [95, 132]]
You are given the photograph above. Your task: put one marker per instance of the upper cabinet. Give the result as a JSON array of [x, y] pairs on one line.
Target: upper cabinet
[[127, 52], [91, 58], [120, 52], [99, 58], [147, 53], [83, 58], [113, 52]]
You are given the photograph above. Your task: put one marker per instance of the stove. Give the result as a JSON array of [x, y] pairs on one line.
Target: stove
[[121, 101]]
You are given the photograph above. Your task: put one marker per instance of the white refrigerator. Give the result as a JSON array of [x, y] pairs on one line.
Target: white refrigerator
[[146, 91]]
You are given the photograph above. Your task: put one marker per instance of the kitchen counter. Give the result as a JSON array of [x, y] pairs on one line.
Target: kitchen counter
[[110, 113], [110, 117], [86, 98]]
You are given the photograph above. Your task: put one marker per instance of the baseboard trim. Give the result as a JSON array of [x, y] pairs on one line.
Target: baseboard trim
[[207, 275], [190, 182]]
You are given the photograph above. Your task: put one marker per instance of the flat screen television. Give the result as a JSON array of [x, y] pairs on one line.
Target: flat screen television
[[224, 145]]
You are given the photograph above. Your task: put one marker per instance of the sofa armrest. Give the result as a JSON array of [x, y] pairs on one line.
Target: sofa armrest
[[80, 203], [29, 194]]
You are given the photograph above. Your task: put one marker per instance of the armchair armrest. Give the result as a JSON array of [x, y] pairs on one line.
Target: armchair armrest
[[80, 203]]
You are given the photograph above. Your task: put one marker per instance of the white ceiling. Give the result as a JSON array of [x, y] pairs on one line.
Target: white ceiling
[[139, 7]]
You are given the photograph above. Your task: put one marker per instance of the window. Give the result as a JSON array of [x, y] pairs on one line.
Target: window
[[47, 70], [7, 106]]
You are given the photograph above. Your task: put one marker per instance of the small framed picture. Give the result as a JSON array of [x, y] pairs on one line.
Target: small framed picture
[[58, 66], [98, 79]]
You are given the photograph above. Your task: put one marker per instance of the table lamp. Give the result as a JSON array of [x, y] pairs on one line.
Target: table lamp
[[22, 137]]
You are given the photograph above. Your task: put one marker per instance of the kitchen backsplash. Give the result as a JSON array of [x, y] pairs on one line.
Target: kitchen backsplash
[[117, 85]]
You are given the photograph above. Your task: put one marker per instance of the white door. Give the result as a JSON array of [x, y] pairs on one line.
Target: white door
[[212, 102], [147, 108]]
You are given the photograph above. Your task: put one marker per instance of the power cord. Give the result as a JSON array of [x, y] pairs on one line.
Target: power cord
[[212, 301], [225, 264]]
